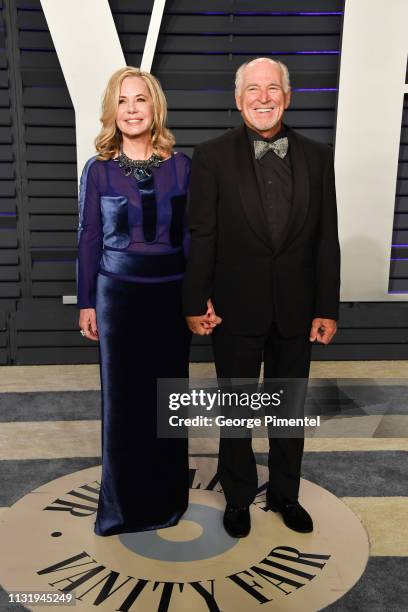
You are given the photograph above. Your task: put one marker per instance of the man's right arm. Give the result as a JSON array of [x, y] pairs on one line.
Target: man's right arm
[[202, 218]]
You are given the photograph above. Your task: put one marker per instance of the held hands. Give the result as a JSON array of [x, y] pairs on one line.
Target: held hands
[[322, 330], [87, 323], [203, 325]]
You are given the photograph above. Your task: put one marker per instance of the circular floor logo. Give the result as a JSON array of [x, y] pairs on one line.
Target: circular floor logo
[[48, 544]]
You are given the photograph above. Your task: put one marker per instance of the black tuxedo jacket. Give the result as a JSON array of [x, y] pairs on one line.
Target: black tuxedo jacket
[[232, 260]]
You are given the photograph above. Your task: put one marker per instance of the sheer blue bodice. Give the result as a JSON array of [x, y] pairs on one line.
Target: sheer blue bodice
[[130, 229]]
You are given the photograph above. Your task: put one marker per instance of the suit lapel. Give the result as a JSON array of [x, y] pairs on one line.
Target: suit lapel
[[300, 200], [249, 187]]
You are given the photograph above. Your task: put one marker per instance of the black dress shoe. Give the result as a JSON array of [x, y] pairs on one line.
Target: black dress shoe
[[294, 515], [237, 521]]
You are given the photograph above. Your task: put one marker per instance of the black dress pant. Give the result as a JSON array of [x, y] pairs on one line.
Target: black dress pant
[[241, 357]]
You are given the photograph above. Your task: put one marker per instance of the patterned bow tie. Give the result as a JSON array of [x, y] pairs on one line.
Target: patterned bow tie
[[280, 147]]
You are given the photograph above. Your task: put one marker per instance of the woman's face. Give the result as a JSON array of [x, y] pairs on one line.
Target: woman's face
[[134, 116]]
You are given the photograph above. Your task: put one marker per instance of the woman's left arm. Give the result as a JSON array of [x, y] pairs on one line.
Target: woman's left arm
[[186, 232], [90, 236]]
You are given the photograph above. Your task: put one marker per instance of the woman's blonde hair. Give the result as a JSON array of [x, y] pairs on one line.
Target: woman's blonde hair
[[109, 140]]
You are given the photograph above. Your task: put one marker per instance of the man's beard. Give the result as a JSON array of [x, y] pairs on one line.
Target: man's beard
[[268, 126]]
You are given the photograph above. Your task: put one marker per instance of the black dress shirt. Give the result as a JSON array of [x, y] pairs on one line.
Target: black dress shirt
[[275, 179]]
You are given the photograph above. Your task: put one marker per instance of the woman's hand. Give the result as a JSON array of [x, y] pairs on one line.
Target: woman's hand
[[87, 323]]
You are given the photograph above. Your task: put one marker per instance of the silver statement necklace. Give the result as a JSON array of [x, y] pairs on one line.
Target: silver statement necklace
[[140, 169]]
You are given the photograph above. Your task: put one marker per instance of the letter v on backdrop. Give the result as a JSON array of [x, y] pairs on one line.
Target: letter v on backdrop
[[371, 91]]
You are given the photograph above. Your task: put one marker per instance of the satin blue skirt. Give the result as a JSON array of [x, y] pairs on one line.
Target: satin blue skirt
[[142, 336]]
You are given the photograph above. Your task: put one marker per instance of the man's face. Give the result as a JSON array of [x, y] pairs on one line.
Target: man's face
[[261, 98]]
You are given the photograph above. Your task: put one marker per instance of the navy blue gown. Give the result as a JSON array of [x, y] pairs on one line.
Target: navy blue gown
[[131, 261]]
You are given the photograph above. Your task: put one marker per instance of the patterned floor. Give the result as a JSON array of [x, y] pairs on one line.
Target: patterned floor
[[49, 427]]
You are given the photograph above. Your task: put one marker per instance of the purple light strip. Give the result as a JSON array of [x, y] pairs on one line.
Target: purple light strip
[[261, 14], [293, 89], [310, 53], [314, 89], [200, 13], [399, 259], [399, 245], [8, 214], [302, 14], [31, 9], [226, 52], [398, 292], [323, 52]]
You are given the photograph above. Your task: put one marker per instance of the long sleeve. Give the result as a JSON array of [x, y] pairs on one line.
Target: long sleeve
[[328, 250], [203, 228], [90, 236], [186, 231]]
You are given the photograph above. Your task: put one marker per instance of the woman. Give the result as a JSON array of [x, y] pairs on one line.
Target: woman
[[130, 267]]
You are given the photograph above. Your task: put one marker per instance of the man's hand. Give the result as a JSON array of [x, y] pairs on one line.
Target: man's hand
[[87, 322], [203, 325], [322, 330], [212, 319]]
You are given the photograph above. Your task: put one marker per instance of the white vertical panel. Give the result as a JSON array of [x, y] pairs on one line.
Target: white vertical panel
[[152, 35], [370, 104], [89, 51]]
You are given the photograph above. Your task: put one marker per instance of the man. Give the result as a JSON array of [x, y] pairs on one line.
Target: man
[[265, 258]]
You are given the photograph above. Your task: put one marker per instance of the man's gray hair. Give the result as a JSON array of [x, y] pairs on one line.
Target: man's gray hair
[[283, 68]]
